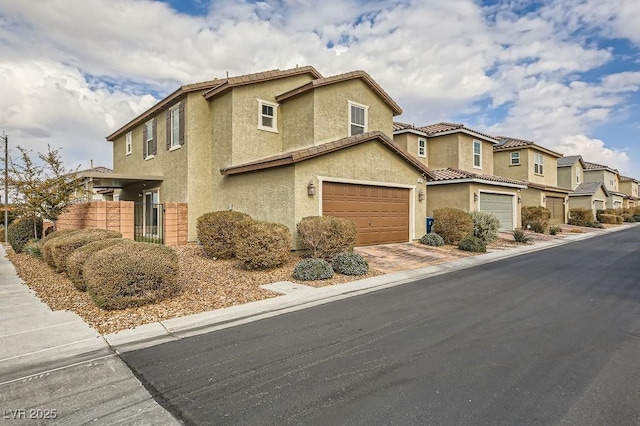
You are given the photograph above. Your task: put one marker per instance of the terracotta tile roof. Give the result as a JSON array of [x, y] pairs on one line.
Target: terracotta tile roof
[[628, 179], [292, 157], [594, 166], [569, 160], [589, 188], [319, 82], [243, 80], [450, 174], [403, 127], [507, 143], [548, 188], [441, 128], [98, 169]]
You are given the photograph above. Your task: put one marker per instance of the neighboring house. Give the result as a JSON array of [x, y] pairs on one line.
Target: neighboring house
[[588, 195], [462, 162], [599, 173], [629, 187], [537, 166], [279, 145], [89, 192]]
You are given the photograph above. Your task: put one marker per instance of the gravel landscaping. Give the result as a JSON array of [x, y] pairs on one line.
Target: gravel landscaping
[[206, 284]]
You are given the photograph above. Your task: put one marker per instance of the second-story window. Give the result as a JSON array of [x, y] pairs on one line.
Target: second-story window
[[357, 118], [267, 116], [422, 147], [477, 154], [577, 176], [515, 158], [128, 144], [149, 139], [174, 127], [538, 164]]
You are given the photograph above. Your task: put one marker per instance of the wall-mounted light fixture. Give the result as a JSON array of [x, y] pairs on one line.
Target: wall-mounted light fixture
[[475, 196], [421, 195], [544, 199], [519, 200], [311, 189], [140, 195]]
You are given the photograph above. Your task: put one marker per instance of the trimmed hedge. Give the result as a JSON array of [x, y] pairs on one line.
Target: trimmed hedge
[[218, 232], [472, 244], [581, 217], [263, 245], [326, 236], [312, 269], [452, 224], [535, 218], [350, 264], [75, 262], [62, 247], [21, 231], [608, 218], [45, 249], [485, 226], [432, 239], [145, 273]]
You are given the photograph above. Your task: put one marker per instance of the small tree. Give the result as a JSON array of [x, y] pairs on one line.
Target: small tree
[[42, 187]]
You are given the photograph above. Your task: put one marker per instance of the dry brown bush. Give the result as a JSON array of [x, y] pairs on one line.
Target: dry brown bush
[[263, 245], [218, 231], [326, 236], [45, 248], [452, 224], [62, 247], [75, 262]]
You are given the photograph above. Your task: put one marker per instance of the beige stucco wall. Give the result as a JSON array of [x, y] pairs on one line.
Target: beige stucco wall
[[586, 202], [409, 142], [443, 152], [465, 145], [615, 201], [535, 197], [550, 168], [297, 122], [604, 176], [502, 164], [629, 188]]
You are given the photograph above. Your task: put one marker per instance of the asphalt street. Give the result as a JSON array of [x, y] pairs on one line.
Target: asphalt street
[[551, 337]]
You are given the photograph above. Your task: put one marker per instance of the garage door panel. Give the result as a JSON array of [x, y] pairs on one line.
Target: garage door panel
[[556, 207], [500, 205], [381, 214]]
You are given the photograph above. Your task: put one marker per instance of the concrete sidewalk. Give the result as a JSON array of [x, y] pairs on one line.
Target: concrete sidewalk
[[296, 297], [54, 368]]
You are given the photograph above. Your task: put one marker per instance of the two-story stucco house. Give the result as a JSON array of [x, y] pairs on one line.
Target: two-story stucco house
[[587, 195], [279, 145], [537, 166], [630, 188], [609, 177], [463, 164]]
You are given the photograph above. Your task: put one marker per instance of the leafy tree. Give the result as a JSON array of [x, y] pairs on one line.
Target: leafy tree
[[41, 186]]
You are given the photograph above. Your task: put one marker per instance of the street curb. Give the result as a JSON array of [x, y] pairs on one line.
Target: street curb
[[177, 328]]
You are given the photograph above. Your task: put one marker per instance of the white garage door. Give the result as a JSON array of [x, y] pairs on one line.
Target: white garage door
[[501, 206]]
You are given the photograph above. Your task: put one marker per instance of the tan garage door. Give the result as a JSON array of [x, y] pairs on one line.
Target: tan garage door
[[380, 213], [556, 206], [501, 206]]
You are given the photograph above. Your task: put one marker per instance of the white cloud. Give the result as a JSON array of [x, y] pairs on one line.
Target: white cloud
[[594, 151]]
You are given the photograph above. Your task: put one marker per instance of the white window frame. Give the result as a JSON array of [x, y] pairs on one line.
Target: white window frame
[[577, 175], [538, 166], [128, 144], [512, 157], [364, 126], [477, 155], [175, 127], [422, 146], [149, 127], [274, 118]]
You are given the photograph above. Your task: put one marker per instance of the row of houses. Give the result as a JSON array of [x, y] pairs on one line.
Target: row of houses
[[284, 144]]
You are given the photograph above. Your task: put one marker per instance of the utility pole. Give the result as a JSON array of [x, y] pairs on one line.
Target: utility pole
[[6, 187]]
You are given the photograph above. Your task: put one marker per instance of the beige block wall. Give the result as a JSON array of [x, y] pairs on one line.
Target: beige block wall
[[112, 215]]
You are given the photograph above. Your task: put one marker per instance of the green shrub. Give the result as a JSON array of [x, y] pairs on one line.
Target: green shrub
[[218, 232], [485, 226], [145, 273], [350, 264], [326, 236], [555, 229], [535, 218], [628, 217], [263, 245], [432, 239], [22, 230], [312, 269], [608, 218], [32, 248], [581, 217], [45, 248], [62, 247], [473, 244], [452, 224], [520, 236], [77, 259]]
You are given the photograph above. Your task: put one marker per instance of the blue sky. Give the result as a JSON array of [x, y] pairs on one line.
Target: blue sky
[[564, 73]]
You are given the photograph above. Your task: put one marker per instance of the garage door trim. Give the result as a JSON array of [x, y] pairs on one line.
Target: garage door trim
[[411, 188], [513, 203]]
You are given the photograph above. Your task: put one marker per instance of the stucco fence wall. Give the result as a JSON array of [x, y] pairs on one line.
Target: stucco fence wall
[[119, 216]]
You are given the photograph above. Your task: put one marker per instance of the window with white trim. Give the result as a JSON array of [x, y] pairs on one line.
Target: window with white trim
[[174, 122], [538, 164], [515, 158], [148, 143], [577, 175], [128, 144], [267, 116], [358, 116], [477, 154], [422, 147]]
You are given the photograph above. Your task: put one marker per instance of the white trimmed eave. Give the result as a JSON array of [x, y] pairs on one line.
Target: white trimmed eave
[[465, 131], [472, 180], [415, 132]]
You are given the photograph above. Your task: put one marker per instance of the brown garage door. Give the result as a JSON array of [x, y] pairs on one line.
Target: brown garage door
[[380, 213], [556, 206]]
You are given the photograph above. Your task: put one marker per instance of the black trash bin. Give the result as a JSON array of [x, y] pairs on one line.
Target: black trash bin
[[429, 224]]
